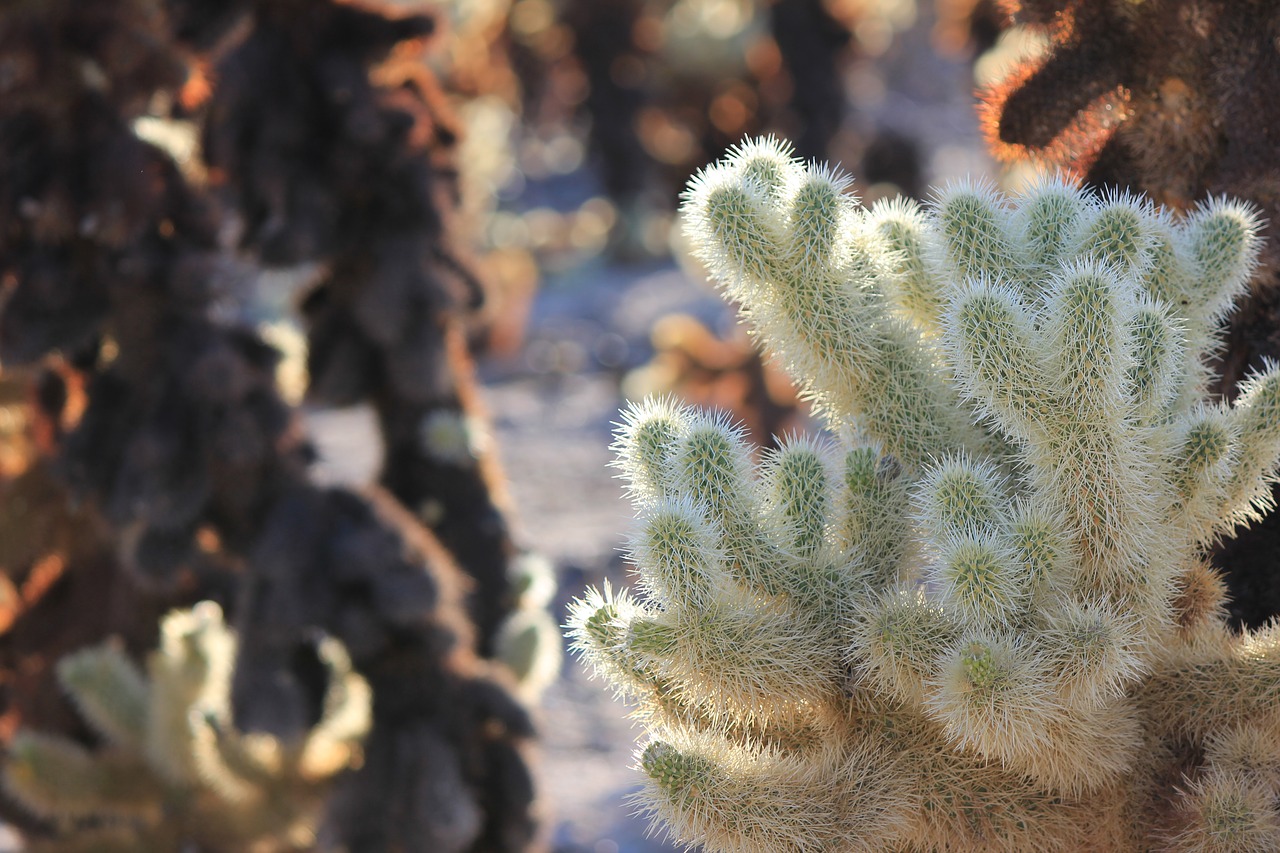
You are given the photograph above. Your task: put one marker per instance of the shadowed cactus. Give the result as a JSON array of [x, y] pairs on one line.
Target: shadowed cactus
[[980, 618], [173, 770]]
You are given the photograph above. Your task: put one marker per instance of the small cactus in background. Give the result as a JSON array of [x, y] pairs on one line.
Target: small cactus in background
[[980, 618], [528, 640], [173, 770]]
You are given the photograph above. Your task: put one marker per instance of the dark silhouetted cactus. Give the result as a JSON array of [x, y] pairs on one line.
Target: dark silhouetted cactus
[[163, 424]]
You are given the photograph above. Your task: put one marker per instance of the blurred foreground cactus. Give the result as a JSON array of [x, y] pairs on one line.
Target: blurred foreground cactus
[[980, 619], [173, 770]]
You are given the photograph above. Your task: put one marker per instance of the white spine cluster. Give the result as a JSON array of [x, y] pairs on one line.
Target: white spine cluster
[[983, 623]]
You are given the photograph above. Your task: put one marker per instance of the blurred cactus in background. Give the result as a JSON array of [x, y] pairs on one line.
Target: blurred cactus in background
[[174, 771], [163, 465], [981, 618], [345, 162]]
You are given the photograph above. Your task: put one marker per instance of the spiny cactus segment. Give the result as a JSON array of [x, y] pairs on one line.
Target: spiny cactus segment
[[980, 619], [173, 770]]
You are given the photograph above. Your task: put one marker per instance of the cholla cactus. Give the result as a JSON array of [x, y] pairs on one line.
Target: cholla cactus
[[174, 771], [980, 619]]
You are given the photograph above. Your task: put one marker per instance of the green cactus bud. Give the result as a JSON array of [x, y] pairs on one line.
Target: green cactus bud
[[915, 290], [1090, 650], [768, 162], [1228, 813], [798, 485], [728, 799], [1205, 440], [820, 213], [1085, 319], [992, 341], [977, 577], [1167, 277], [1044, 218], [1223, 237], [1153, 377], [1035, 535], [598, 626], [728, 219], [988, 694], [959, 495], [1257, 417], [898, 641], [646, 443], [714, 466], [714, 470], [1117, 234], [678, 553], [758, 661], [870, 526], [973, 239]]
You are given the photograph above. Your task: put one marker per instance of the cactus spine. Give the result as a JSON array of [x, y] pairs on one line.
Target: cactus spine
[[980, 621]]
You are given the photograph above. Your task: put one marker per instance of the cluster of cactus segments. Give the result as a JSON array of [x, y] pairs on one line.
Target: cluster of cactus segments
[[173, 772], [975, 615]]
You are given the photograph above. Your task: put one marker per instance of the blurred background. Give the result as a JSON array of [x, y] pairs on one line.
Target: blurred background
[[324, 312]]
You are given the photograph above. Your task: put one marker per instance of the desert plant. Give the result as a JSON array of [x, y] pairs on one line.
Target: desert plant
[[980, 619], [174, 769], [1170, 99]]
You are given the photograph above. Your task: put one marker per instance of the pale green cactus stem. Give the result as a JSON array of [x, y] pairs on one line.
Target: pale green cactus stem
[[983, 620], [646, 443], [898, 640], [913, 288], [190, 671], [1224, 244], [678, 553], [1153, 377], [1036, 533], [62, 781], [757, 242], [1045, 219], [1257, 417], [799, 496], [972, 233], [871, 521], [1117, 234], [732, 796]]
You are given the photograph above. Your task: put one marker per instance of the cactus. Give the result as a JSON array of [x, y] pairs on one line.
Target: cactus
[[1169, 99], [170, 470], [979, 618], [173, 769]]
